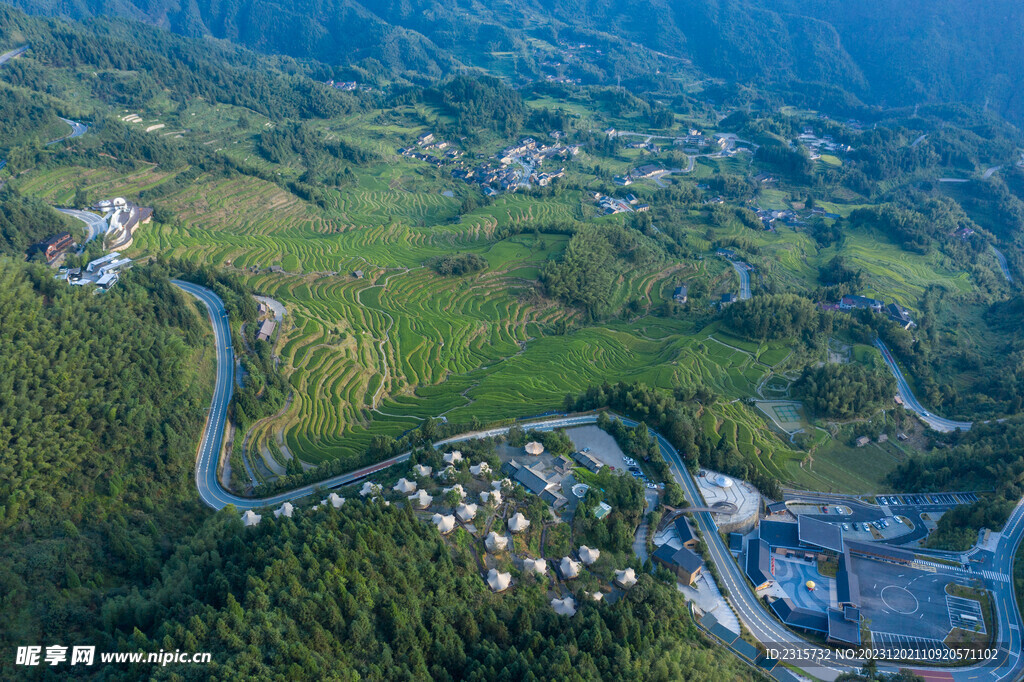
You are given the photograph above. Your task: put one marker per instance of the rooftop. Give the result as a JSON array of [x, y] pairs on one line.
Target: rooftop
[[684, 530], [683, 557], [759, 562], [842, 629], [819, 533], [799, 617], [780, 533]]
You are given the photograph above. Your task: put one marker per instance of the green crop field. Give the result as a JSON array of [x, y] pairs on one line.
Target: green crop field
[[379, 354]]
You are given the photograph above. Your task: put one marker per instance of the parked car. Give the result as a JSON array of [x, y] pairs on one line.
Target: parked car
[[846, 527]]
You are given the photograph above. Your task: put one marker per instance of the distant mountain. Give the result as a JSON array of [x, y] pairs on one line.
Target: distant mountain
[[895, 53]]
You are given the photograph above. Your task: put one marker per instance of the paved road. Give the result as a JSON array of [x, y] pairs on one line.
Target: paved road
[[1003, 265], [16, 52], [743, 270], [988, 173], [77, 130], [910, 401], [95, 225]]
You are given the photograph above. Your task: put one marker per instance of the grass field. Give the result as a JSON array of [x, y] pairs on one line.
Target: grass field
[[838, 467]]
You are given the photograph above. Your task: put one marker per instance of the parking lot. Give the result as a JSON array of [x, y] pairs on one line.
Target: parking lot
[[927, 499], [966, 614], [903, 601], [919, 648]]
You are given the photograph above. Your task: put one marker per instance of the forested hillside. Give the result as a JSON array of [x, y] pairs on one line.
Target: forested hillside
[[381, 596], [912, 52], [25, 221], [101, 403]]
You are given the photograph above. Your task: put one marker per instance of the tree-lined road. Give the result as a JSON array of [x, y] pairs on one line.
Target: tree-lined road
[[743, 270], [1003, 265], [16, 52], [77, 130], [910, 401]]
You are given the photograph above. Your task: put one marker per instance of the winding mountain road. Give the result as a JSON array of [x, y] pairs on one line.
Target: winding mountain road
[[77, 130], [16, 52], [94, 225], [911, 403], [1003, 265]]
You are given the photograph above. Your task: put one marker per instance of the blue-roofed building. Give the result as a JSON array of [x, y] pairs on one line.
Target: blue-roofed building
[[827, 536], [760, 566], [847, 582], [725, 634], [798, 617], [844, 626], [745, 649], [685, 532], [780, 534]]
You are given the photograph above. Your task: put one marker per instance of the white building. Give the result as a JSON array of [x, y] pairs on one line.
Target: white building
[[569, 569], [518, 523], [445, 523], [588, 555], [495, 543], [405, 486], [497, 581]]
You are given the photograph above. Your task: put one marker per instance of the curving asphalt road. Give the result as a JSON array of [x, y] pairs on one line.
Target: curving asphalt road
[[77, 130], [910, 401], [94, 225], [16, 52], [743, 270], [1003, 265], [1007, 665], [210, 490]]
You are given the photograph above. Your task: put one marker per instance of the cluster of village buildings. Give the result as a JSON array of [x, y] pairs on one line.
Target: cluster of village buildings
[[894, 311], [816, 144], [516, 166], [610, 205]]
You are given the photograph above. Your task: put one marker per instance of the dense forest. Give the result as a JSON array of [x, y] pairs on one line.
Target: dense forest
[[779, 316], [103, 398], [844, 391], [988, 457], [382, 596], [830, 52], [25, 221], [586, 274]]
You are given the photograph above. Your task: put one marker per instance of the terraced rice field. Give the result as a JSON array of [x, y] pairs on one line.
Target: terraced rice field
[[378, 354]]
